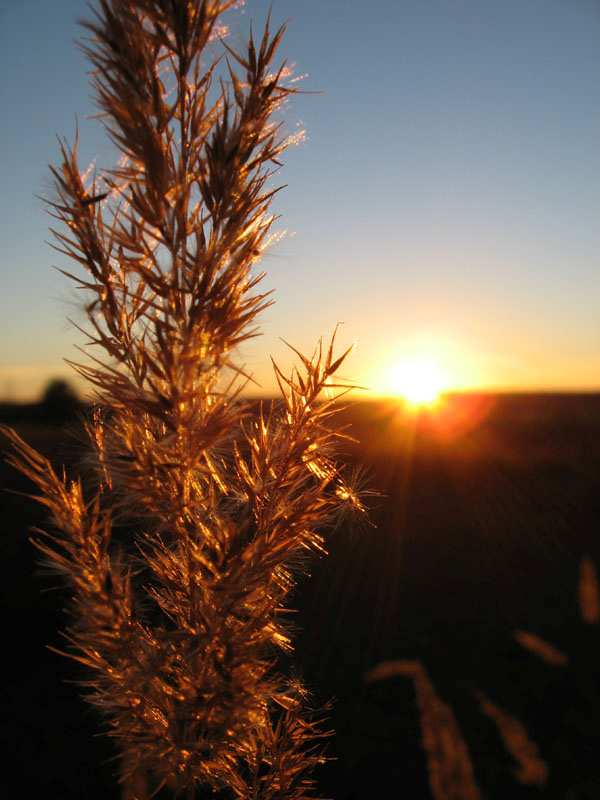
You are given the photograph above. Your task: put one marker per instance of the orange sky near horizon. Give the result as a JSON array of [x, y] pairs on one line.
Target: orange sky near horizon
[[461, 368]]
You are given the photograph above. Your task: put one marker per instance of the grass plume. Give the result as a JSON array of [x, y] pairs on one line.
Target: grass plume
[[179, 556]]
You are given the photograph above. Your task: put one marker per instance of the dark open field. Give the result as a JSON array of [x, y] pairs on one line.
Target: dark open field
[[488, 507]]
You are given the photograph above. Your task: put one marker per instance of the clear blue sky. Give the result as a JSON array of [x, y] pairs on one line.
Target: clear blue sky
[[446, 200]]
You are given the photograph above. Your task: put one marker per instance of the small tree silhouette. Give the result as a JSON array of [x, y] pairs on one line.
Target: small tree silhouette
[[59, 401]]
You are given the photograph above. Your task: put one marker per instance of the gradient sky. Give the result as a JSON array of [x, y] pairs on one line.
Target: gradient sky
[[446, 200]]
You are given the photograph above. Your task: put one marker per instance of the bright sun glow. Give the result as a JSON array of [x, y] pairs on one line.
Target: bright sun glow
[[418, 380]]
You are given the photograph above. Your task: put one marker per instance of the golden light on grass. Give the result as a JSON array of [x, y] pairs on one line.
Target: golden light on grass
[[182, 661], [419, 380]]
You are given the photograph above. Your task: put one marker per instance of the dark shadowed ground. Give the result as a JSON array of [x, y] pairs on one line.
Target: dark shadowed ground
[[489, 505]]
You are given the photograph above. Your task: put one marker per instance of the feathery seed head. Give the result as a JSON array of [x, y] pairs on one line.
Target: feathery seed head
[[179, 560]]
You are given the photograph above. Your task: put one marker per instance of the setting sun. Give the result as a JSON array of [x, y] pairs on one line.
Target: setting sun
[[418, 380]]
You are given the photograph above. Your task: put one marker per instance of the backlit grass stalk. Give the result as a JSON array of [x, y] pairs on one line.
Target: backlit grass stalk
[[179, 624], [451, 773], [530, 769]]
